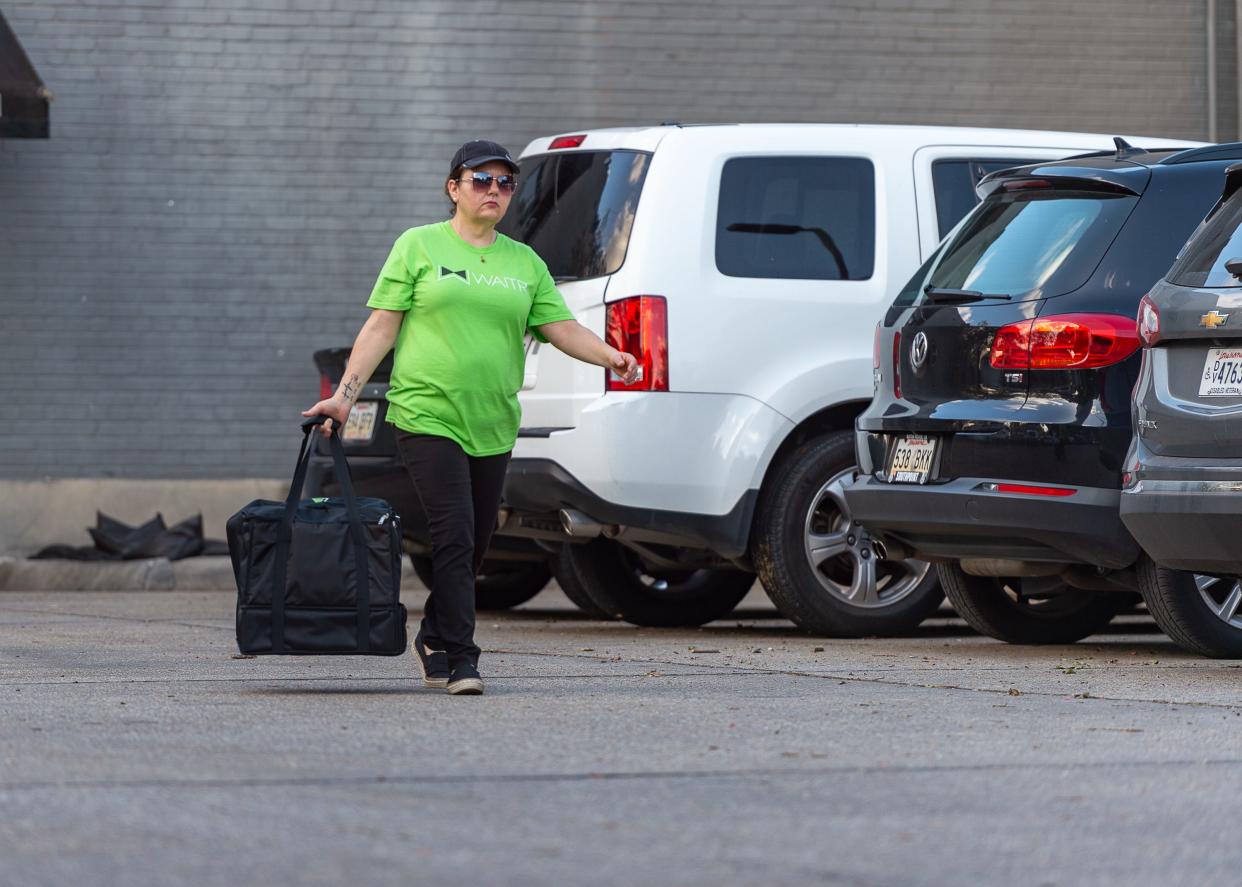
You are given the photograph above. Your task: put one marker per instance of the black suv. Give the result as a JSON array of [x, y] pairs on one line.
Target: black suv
[[1183, 484], [995, 441]]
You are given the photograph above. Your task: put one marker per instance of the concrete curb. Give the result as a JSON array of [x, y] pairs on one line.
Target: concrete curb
[[154, 574]]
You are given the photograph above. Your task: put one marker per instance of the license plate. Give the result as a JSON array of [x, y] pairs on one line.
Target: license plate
[[1222, 373], [912, 460], [360, 426]]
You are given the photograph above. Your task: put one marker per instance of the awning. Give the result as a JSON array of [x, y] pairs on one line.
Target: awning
[[23, 97]]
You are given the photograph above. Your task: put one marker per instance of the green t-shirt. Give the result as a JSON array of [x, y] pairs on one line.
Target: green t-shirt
[[459, 358]]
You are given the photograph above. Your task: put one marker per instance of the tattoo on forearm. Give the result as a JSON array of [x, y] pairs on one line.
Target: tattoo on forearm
[[351, 389]]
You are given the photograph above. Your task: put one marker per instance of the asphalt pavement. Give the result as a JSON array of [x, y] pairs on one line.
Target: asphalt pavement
[[137, 747]]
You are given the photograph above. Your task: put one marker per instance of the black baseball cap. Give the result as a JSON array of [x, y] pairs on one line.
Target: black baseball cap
[[475, 153]]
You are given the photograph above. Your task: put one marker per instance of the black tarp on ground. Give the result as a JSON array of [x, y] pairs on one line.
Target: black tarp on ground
[[117, 541], [23, 97]]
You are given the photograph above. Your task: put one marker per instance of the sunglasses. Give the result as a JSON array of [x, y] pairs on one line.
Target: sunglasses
[[483, 182]]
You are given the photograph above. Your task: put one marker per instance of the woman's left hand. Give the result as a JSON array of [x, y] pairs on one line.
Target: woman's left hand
[[624, 365]]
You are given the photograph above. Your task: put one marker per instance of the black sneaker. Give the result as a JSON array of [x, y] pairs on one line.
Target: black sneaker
[[434, 664], [465, 680]]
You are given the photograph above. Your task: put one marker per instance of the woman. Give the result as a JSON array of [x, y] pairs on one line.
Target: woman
[[456, 299]]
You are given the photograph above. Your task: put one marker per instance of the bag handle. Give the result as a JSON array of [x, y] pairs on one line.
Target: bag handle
[[284, 536]]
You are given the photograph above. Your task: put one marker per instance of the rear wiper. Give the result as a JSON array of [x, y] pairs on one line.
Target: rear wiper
[[939, 295], [565, 278]]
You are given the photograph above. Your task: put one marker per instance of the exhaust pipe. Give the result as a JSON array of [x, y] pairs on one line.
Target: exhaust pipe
[[888, 550], [578, 525]]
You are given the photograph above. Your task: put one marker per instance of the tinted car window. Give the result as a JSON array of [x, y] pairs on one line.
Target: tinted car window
[[809, 218], [914, 286], [1038, 241], [576, 210], [1219, 240], [954, 181]]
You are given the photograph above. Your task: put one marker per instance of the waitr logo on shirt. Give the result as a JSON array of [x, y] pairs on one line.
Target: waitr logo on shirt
[[492, 280]]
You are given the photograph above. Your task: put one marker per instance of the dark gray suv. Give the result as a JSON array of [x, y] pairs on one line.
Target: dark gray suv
[[1182, 485]]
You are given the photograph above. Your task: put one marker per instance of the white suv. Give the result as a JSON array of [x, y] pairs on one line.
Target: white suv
[[746, 266]]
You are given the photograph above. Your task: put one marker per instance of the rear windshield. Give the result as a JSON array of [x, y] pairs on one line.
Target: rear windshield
[[576, 209], [1034, 244], [1202, 263]]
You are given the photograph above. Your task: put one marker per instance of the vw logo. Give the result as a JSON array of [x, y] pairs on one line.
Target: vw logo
[[918, 350]]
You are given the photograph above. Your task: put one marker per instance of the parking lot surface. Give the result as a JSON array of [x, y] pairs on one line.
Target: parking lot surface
[[137, 747]]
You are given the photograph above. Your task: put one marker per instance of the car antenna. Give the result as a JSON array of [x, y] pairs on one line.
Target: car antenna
[[1124, 148]]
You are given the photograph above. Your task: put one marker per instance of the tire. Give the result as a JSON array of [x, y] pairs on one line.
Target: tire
[[567, 578], [1032, 610], [500, 585], [622, 587], [1200, 613], [837, 587]]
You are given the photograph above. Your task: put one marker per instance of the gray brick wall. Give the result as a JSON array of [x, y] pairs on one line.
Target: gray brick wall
[[224, 179]]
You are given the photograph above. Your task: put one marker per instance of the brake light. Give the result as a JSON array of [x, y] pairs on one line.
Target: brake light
[[639, 325], [566, 142], [897, 363], [1025, 184], [1064, 341], [325, 387], [1149, 321]]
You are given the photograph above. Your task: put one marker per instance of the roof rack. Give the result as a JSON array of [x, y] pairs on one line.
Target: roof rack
[[1227, 151]]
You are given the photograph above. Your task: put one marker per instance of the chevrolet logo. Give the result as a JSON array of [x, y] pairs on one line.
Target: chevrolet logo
[[1213, 319]]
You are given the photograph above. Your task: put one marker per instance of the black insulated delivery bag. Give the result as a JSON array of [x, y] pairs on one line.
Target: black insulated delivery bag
[[318, 576]]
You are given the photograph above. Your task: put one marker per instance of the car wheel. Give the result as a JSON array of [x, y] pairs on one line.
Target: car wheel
[[1202, 614], [567, 578], [818, 566], [622, 586], [1030, 610], [500, 585]]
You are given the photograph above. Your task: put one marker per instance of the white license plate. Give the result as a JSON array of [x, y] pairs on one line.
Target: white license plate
[[912, 460], [1222, 373], [360, 426]]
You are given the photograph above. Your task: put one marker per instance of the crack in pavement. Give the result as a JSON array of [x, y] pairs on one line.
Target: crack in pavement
[[737, 670], [591, 776], [363, 679], [850, 678], [712, 671]]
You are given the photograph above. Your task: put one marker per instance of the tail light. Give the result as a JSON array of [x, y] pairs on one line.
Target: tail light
[[1149, 321], [897, 363], [639, 326], [566, 142], [1065, 342], [325, 387]]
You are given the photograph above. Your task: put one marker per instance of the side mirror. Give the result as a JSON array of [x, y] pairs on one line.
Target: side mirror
[[1234, 267]]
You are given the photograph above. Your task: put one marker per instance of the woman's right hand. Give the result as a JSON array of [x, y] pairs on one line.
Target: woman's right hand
[[336, 407]]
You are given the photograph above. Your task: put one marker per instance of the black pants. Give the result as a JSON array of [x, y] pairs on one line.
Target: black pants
[[461, 496]]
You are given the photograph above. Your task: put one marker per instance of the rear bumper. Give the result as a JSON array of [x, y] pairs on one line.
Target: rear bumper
[[663, 451], [1187, 513], [957, 519], [543, 487]]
